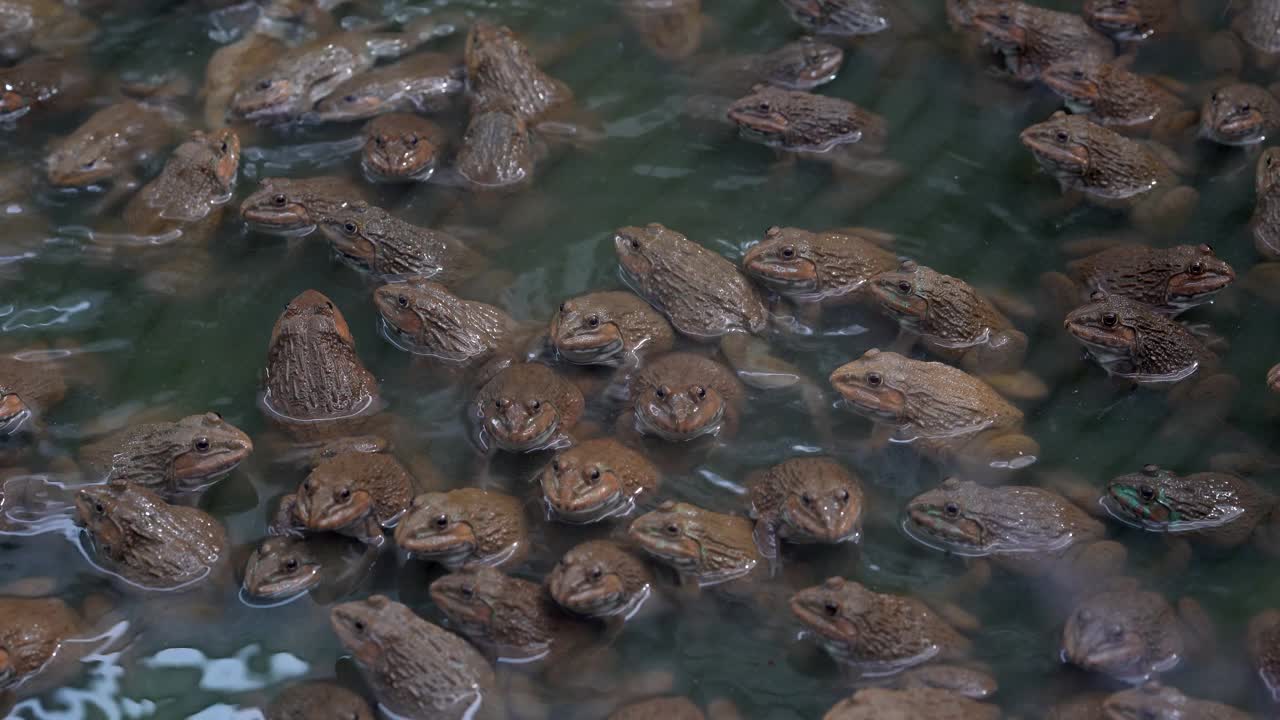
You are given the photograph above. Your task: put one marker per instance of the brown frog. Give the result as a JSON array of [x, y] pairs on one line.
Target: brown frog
[[1265, 223], [1115, 97], [704, 548], [1239, 114], [465, 526], [30, 26], [391, 248], [610, 328], [806, 500], [681, 396], [37, 634], [315, 699], [229, 67], [1169, 280], [1258, 25], [497, 151], [293, 84], [956, 323], [1110, 170], [502, 75], [295, 206], [815, 127], [932, 703], [1130, 340], [803, 64], [827, 268], [109, 148], [415, 668], [1134, 20], [31, 384], [42, 84], [1132, 634], [511, 619], [1273, 378], [421, 83], [876, 634], [840, 17], [527, 407], [170, 458], [664, 708], [188, 195], [597, 480], [399, 147], [1026, 530], [1153, 701], [944, 412], [284, 567], [1262, 640], [1032, 38], [356, 494], [671, 29], [148, 543], [316, 386], [601, 579]]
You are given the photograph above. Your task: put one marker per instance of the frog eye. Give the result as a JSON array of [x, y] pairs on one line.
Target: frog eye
[[535, 405], [787, 252], [904, 287], [99, 508], [501, 403], [306, 485], [349, 228], [442, 521], [593, 321], [344, 494], [594, 475], [291, 564], [1004, 18], [280, 200], [264, 84], [90, 165], [555, 466], [832, 607], [1245, 107], [1195, 268], [762, 106], [1109, 319], [1213, 98], [349, 98], [467, 591], [201, 444], [1267, 160], [1078, 74], [412, 140], [635, 243], [402, 301], [807, 499], [662, 391], [672, 529], [843, 496], [698, 392], [951, 510], [874, 379], [1115, 632], [1063, 136], [597, 573], [1147, 492], [380, 141], [223, 147]]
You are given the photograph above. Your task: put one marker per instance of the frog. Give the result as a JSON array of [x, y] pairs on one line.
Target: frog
[[1168, 280], [671, 30], [109, 148], [38, 639], [932, 703], [173, 458], [1273, 378], [282, 567], [392, 249], [414, 667], [1032, 38], [290, 87], [503, 75], [820, 270], [704, 548], [876, 634], [1163, 702], [229, 67], [400, 147], [1239, 114], [424, 82], [956, 323], [1026, 530], [1256, 25], [1262, 642], [149, 544], [611, 328], [840, 17], [681, 396], [465, 526], [1115, 97], [28, 27], [1129, 21], [1131, 634], [31, 384], [806, 500], [498, 151], [188, 195], [1110, 170], [944, 412], [803, 64], [318, 698], [601, 579], [814, 127], [1264, 225], [354, 494], [44, 84], [312, 399], [294, 207], [661, 708], [597, 480], [1215, 509], [527, 407]]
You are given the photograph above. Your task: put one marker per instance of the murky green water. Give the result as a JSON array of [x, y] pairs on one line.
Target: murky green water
[[970, 207]]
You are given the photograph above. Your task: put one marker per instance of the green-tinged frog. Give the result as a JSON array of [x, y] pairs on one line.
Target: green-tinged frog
[[170, 458], [295, 206], [527, 407], [596, 480], [1131, 634], [806, 500], [356, 494], [466, 526], [391, 248], [601, 579]]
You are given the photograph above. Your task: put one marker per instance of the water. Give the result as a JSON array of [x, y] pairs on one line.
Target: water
[[971, 206]]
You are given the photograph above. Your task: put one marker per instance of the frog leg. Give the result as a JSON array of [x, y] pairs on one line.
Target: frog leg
[[750, 358], [1263, 280], [286, 521], [1198, 624], [1089, 563], [1168, 212], [971, 682], [904, 343], [1075, 488], [1007, 451], [765, 533], [1021, 385], [1060, 295]]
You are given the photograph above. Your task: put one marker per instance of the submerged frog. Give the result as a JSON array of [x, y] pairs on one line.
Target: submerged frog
[[229, 67], [681, 396], [1026, 530], [803, 64], [609, 328], [149, 543], [415, 668], [317, 698], [43, 84], [827, 268], [1131, 634], [1239, 114], [31, 384], [1262, 639], [1265, 223], [597, 480], [1110, 170], [1162, 702], [527, 407], [840, 17], [816, 127], [170, 458], [704, 548], [498, 151], [1169, 280], [1134, 20], [931, 703], [109, 148], [1032, 38], [399, 147], [944, 412], [391, 248], [421, 83], [356, 494], [1117, 98], [188, 195], [601, 579], [663, 708], [37, 635], [1130, 340], [326, 566], [502, 74], [47, 26], [463, 527], [806, 500], [295, 206]]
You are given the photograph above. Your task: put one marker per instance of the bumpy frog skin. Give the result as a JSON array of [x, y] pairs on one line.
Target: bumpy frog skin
[[804, 122], [467, 526], [831, 266], [706, 548], [806, 500], [498, 151], [680, 397], [293, 207], [839, 17], [280, 567], [41, 84], [1127, 634], [423, 82], [1153, 701], [501, 73], [399, 147], [170, 457], [1265, 223], [392, 249], [425, 318], [1239, 114], [32, 633], [1032, 38], [29, 387], [596, 480], [1129, 340], [355, 494], [1170, 280], [527, 407], [609, 328], [600, 579], [515, 619], [109, 146], [1114, 97], [1132, 20], [1216, 508], [803, 64]]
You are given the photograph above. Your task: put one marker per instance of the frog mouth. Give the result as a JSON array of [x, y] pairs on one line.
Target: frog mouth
[[578, 502], [605, 597], [1185, 286], [524, 434], [1241, 126], [903, 306], [407, 166], [882, 403], [338, 515], [678, 552], [290, 220], [1003, 36], [1116, 338], [830, 627], [1125, 20], [1080, 95], [680, 421], [823, 523], [799, 276], [455, 544], [217, 461], [1056, 158], [303, 579], [926, 526], [592, 348]]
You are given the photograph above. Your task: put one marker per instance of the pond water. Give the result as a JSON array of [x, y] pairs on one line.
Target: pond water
[[971, 204]]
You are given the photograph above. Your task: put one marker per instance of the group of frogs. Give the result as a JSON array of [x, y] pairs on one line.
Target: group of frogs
[[668, 363]]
